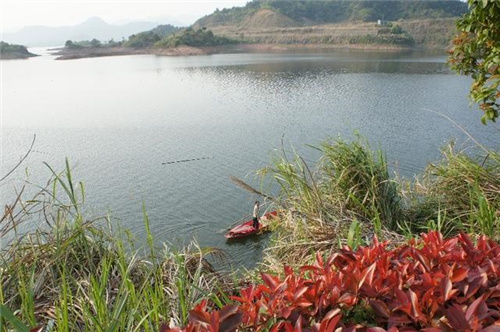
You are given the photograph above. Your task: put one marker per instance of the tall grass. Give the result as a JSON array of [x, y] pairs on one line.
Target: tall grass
[[77, 275], [350, 196], [468, 188], [346, 199]]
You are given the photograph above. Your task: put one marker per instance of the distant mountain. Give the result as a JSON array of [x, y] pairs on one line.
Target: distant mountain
[[278, 13], [92, 28]]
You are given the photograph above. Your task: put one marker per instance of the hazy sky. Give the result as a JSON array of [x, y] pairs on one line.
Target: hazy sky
[[18, 13]]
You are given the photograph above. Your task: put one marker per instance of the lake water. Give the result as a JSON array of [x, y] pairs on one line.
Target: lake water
[[122, 121]]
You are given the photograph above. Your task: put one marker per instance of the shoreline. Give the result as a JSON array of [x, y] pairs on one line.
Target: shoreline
[[65, 54], [18, 56]]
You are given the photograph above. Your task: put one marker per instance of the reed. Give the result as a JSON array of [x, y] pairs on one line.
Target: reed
[[468, 189], [346, 199], [77, 275], [350, 196]]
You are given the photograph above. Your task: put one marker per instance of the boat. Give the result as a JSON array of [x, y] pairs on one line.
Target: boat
[[246, 228]]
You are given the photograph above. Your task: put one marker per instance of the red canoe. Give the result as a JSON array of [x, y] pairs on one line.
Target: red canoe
[[247, 229]]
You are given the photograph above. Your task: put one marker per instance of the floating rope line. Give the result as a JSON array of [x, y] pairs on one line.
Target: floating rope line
[[184, 161]]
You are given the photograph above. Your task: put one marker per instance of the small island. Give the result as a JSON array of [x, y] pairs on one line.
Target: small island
[[12, 51], [159, 41]]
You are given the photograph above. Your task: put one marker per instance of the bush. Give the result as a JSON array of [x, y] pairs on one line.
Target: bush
[[143, 39], [432, 283], [196, 38], [396, 29]]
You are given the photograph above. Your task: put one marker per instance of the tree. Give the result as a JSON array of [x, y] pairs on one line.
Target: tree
[[476, 53], [95, 43], [69, 44]]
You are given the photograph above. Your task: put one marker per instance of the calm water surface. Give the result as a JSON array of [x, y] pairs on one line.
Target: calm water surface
[[122, 121]]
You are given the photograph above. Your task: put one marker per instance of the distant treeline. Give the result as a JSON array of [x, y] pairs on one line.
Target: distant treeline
[[161, 36], [332, 11], [151, 37], [91, 43], [196, 38]]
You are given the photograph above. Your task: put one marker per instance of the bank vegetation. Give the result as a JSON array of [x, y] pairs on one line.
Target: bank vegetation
[[80, 274]]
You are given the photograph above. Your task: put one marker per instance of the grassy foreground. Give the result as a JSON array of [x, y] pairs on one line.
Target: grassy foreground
[[81, 275]]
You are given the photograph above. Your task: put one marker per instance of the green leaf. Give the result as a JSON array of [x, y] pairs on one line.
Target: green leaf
[[10, 317]]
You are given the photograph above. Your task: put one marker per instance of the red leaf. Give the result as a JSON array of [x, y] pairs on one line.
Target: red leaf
[[309, 268], [367, 274], [299, 292], [303, 303], [380, 308], [347, 298], [286, 311], [228, 311], [459, 274], [319, 259], [423, 260], [329, 325], [298, 324], [231, 323], [271, 282], [446, 288], [164, 328], [198, 316], [456, 318], [214, 321], [473, 308], [415, 305], [332, 313]]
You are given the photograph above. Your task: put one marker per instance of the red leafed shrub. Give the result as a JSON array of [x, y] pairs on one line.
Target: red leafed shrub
[[434, 284], [227, 319]]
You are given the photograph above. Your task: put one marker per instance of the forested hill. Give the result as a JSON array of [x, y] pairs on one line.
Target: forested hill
[[313, 12]]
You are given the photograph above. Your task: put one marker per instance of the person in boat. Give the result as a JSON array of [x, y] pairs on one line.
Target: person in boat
[[256, 208]]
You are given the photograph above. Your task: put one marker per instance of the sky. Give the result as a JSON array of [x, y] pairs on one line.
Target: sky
[[18, 13]]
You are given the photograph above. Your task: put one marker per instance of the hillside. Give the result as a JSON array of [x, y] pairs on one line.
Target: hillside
[[149, 38], [314, 12], [411, 23], [266, 18]]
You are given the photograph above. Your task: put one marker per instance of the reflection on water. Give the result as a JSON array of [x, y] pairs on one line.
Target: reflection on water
[[122, 120]]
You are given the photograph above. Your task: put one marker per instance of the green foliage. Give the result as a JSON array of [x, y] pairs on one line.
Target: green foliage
[[362, 179], [467, 190], [403, 39], [71, 45], [165, 30], [142, 40], [7, 49], [396, 29], [95, 43], [194, 37], [151, 37], [476, 53], [74, 45]]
